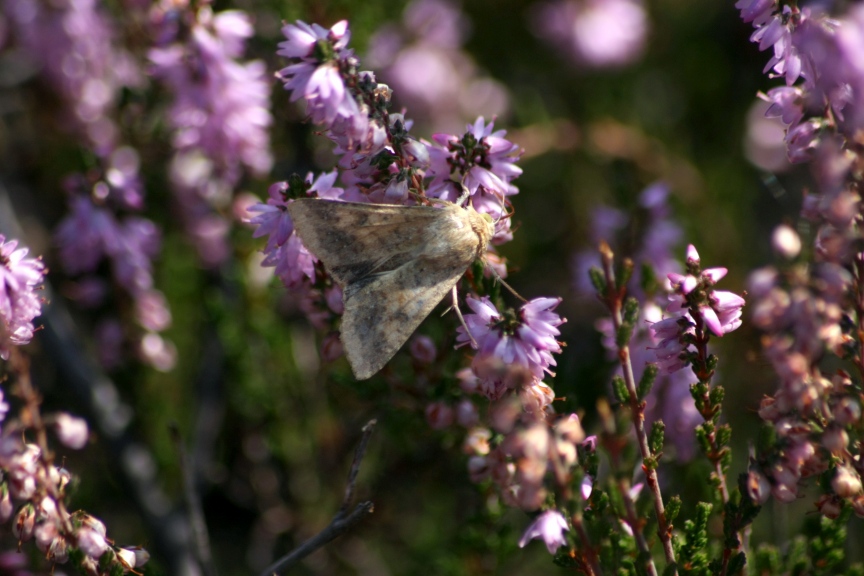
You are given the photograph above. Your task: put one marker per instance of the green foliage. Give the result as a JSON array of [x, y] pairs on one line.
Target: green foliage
[[692, 547], [619, 388], [819, 551], [646, 382], [656, 437]]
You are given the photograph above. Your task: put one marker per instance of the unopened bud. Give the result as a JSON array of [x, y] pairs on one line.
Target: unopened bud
[[24, 523], [846, 482], [439, 415], [786, 241], [758, 487], [71, 431], [829, 506]]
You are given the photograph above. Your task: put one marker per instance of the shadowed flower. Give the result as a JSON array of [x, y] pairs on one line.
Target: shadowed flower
[[284, 249], [594, 33], [20, 277], [549, 527]]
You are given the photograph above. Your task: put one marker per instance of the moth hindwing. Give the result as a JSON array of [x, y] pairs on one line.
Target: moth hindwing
[[394, 264]]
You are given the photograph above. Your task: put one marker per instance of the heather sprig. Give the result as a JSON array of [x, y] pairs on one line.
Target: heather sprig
[[20, 279], [35, 491], [219, 115], [809, 313]]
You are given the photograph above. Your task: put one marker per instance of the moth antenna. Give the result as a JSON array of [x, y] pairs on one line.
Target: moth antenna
[[498, 278], [455, 307]]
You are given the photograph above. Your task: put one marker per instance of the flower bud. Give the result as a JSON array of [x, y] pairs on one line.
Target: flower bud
[[536, 397], [45, 534], [478, 469], [829, 506], [422, 349], [477, 441], [466, 414], [846, 482], [439, 415], [24, 523], [835, 440], [58, 551], [847, 411], [758, 487], [71, 431], [786, 241], [6, 507], [331, 347], [126, 557], [91, 537]]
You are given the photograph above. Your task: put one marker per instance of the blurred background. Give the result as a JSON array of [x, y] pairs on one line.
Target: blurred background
[[607, 97]]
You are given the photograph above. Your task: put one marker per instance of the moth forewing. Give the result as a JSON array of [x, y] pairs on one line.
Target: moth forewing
[[394, 264]]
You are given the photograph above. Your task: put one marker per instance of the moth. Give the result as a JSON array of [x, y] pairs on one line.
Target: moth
[[394, 264]]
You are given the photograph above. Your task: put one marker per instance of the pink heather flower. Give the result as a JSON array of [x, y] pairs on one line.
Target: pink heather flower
[[786, 103], [439, 415], [481, 159], [91, 538], [20, 277], [301, 38], [422, 349], [672, 343], [549, 527], [720, 309], [526, 338], [284, 249], [756, 11], [595, 33], [846, 482], [319, 82], [71, 431], [90, 233]]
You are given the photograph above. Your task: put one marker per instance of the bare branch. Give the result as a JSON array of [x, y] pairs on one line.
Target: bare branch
[[340, 523]]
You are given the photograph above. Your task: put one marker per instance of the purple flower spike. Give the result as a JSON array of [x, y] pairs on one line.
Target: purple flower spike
[[548, 526], [19, 305]]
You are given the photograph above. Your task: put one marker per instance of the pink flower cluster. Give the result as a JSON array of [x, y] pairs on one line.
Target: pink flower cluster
[[20, 278], [694, 303], [423, 60], [92, 234], [219, 116], [37, 488], [74, 44], [804, 312], [824, 54]]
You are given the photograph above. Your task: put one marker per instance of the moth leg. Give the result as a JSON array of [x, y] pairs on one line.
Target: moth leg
[[498, 278], [464, 196], [455, 307]]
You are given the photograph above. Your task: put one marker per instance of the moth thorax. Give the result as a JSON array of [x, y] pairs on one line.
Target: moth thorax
[[482, 225]]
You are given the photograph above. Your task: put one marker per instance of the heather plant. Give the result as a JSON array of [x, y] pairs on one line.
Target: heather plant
[[595, 383]]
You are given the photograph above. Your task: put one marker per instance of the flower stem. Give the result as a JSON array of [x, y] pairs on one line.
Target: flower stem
[[614, 298]]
